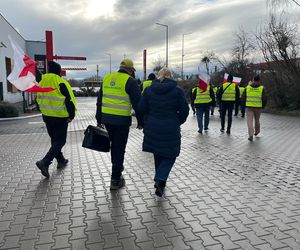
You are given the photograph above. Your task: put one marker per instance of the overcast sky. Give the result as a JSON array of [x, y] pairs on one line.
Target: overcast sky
[[93, 28]]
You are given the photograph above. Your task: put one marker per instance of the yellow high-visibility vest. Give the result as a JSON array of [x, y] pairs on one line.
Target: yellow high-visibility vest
[[254, 96], [53, 103], [215, 89], [229, 93], [203, 97], [241, 90], [146, 84], [115, 100]]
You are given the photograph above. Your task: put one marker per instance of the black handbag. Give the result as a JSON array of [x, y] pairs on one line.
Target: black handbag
[[96, 138]]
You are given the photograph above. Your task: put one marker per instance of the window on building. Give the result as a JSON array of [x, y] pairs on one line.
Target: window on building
[[10, 88]]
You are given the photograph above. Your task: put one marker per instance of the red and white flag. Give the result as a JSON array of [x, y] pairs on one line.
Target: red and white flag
[[23, 73], [204, 79], [236, 80]]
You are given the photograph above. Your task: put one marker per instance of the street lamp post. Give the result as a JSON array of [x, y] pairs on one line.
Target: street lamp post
[[182, 54], [167, 37], [109, 61]]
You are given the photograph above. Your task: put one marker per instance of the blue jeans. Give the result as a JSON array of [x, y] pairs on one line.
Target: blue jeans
[[200, 111], [163, 167]]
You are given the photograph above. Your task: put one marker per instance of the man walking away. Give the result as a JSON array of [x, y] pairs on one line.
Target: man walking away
[[254, 99], [238, 105], [58, 108], [119, 93], [228, 95], [203, 98]]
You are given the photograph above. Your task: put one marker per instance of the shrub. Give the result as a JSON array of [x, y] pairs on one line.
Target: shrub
[[8, 110]]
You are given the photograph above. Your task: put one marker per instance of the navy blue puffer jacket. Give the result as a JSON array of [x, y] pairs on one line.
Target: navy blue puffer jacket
[[165, 108]]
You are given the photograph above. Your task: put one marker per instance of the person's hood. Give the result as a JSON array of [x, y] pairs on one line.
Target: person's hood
[[163, 87]]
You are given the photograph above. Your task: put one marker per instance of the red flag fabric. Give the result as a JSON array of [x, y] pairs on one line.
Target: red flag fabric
[[203, 81], [23, 73]]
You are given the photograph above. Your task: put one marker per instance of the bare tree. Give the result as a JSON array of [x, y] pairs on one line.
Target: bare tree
[[207, 58], [276, 3], [241, 52], [158, 64], [278, 42], [243, 46]]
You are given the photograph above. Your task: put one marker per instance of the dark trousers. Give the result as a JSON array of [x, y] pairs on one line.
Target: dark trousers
[[57, 130], [226, 107], [163, 167], [236, 109], [118, 136], [204, 110]]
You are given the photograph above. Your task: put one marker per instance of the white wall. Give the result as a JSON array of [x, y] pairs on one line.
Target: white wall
[[7, 30]]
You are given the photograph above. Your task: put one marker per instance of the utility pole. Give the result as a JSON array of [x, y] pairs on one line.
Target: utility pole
[[97, 76], [182, 54], [167, 40]]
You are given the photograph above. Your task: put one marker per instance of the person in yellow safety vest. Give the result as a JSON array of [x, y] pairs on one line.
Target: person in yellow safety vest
[[148, 82], [58, 108], [228, 94], [254, 99], [212, 107], [118, 94], [203, 98], [237, 105], [192, 100]]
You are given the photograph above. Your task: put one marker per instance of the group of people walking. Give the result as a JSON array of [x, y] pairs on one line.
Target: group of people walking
[[160, 108], [230, 97]]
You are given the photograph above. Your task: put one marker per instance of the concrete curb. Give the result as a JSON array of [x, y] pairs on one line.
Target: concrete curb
[[19, 117]]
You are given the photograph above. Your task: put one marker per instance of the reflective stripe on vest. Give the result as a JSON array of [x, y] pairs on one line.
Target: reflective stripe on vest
[[254, 96], [146, 84], [53, 103], [203, 97], [229, 93], [115, 100]]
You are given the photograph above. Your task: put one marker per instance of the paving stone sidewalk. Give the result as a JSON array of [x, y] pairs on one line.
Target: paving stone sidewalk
[[223, 193]]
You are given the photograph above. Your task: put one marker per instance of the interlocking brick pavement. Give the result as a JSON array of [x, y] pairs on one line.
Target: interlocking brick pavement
[[223, 193]]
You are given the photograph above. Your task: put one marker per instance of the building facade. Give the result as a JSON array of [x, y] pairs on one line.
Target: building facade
[[35, 49]]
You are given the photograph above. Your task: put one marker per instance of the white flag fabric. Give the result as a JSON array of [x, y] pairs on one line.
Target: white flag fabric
[[23, 73], [236, 80], [22, 79]]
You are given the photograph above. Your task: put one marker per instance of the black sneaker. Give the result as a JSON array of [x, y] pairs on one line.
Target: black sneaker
[[62, 164], [222, 130], [43, 167], [117, 184], [159, 191], [228, 131], [200, 131], [160, 187]]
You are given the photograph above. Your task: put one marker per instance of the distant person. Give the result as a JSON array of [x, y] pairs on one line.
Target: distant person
[[148, 82], [192, 100], [238, 106], [228, 95], [212, 107], [119, 93], [165, 108], [254, 99], [203, 98], [58, 108]]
